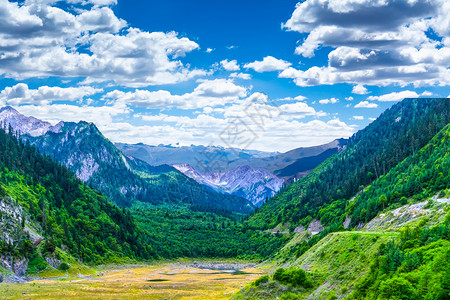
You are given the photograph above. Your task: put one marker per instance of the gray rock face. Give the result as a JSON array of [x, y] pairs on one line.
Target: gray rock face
[[299, 229], [16, 266], [347, 222], [315, 227], [20, 266], [53, 261], [255, 185]]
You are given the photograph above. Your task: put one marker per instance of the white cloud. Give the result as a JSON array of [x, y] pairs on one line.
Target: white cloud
[[33, 34], [395, 96], [297, 98], [359, 89], [272, 132], [94, 2], [329, 101], [209, 50], [268, 64], [350, 98], [266, 130], [297, 110], [378, 42], [102, 116], [230, 65], [100, 20], [426, 94], [358, 117], [244, 76], [366, 104], [220, 88], [216, 92], [21, 94]]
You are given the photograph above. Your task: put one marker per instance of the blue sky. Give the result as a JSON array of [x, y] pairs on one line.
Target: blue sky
[[270, 75]]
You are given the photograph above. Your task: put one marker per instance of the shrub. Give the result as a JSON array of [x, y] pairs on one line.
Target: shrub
[[296, 277], [49, 246], [397, 288], [63, 266], [261, 280]]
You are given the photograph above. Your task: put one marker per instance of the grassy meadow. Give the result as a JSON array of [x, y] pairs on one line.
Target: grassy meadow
[[144, 282]]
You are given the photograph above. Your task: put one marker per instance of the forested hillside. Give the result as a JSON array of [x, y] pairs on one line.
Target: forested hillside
[[405, 242], [69, 214], [419, 176], [95, 160], [323, 194]]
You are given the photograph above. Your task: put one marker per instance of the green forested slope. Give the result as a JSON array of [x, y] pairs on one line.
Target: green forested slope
[[415, 267], [323, 194], [94, 159], [182, 232], [419, 176], [412, 263], [71, 214]]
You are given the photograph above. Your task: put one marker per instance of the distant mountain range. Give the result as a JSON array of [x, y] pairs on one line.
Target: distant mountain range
[[124, 179], [251, 174], [255, 185], [292, 164], [202, 158], [126, 173]]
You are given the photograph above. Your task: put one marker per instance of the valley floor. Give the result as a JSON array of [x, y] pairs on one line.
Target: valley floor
[[171, 281]]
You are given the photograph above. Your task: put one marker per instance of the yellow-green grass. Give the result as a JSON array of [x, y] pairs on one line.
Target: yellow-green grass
[[342, 258], [149, 282]]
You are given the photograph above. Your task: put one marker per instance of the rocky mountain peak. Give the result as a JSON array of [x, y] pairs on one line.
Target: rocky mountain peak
[[23, 124]]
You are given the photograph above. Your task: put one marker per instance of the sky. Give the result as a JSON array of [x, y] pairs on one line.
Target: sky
[[270, 75]]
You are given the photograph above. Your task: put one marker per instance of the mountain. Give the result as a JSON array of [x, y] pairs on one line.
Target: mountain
[[202, 158], [95, 160], [21, 123], [369, 154], [44, 209], [292, 164], [401, 213], [295, 162], [255, 185]]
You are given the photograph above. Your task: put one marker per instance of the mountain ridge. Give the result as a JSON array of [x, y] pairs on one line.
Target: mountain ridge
[[94, 159], [255, 185]]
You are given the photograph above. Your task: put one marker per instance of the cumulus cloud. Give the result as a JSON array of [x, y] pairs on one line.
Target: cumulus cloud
[[366, 104], [211, 93], [395, 96], [329, 101], [359, 89], [297, 98], [230, 65], [268, 64], [21, 94], [358, 118], [266, 130], [244, 76], [374, 42], [102, 116], [39, 40]]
